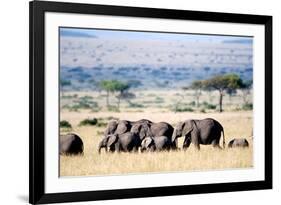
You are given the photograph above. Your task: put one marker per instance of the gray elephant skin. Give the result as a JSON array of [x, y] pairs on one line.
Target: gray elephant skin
[[143, 128], [121, 126], [151, 144], [207, 131], [125, 142], [71, 144], [152, 129], [238, 142]]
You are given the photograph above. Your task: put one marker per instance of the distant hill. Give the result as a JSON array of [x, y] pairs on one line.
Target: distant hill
[[156, 63], [163, 77]]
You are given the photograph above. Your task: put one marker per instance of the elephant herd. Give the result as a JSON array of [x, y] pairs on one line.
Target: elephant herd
[[144, 135]]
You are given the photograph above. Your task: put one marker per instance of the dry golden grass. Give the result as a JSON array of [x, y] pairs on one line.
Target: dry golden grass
[[236, 124], [111, 164]]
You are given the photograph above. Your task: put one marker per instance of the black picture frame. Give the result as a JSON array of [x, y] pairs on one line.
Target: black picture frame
[[37, 194]]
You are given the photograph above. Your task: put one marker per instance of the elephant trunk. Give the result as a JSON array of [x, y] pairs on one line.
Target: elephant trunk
[[223, 138], [174, 136]]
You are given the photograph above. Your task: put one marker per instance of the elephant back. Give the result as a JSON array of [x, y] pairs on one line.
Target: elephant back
[[70, 144], [162, 129], [142, 129]]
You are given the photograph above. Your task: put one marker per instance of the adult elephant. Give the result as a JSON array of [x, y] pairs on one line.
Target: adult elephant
[[238, 142], [206, 132], [71, 144], [154, 130], [155, 144], [122, 126], [125, 142]]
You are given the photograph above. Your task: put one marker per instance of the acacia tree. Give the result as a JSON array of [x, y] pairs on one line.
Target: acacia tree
[[107, 86], [223, 83], [112, 86], [120, 87]]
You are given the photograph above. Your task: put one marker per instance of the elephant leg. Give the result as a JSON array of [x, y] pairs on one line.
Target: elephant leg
[[117, 147], [135, 149], [186, 143], [216, 144], [196, 143]]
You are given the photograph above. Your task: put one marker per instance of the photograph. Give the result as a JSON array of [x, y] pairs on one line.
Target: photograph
[[133, 102], [144, 102]]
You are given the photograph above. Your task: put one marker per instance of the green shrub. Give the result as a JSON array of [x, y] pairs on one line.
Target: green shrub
[[192, 103], [247, 106], [209, 106], [83, 104], [183, 109], [135, 105], [86, 98], [86, 122], [203, 110], [65, 124]]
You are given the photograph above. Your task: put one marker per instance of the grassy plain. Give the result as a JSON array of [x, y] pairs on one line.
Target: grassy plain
[[236, 123]]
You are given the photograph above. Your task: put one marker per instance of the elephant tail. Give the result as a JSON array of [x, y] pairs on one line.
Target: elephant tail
[[223, 138]]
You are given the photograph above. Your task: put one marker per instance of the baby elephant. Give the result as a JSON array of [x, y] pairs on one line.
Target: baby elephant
[[155, 144], [71, 144], [238, 142], [126, 142]]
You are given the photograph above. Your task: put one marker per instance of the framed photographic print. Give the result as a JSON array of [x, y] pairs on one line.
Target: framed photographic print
[[140, 102]]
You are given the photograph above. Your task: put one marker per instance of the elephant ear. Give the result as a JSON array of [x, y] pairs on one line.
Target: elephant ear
[[136, 128], [111, 127], [122, 127], [111, 140], [187, 127], [142, 131], [145, 131], [180, 126]]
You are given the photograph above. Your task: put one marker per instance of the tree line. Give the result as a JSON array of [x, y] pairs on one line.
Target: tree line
[[228, 83]]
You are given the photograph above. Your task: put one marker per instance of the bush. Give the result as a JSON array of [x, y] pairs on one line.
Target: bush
[[86, 98], [247, 106], [192, 103], [83, 103], [203, 110], [86, 122], [65, 124], [209, 106], [135, 105], [183, 109]]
